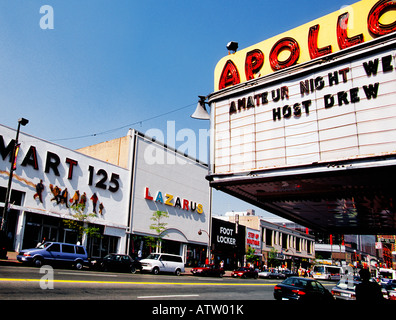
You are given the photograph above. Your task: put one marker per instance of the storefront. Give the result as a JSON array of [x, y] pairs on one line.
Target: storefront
[[167, 181], [52, 186], [228, 243]]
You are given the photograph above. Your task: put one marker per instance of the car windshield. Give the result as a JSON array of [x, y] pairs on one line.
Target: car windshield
[[320, 269], [44, 245], [154, 256]]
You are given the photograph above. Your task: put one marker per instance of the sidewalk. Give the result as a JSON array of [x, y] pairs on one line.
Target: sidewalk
[[12, 259]]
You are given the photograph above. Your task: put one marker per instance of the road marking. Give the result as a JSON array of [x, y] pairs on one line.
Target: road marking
[[88, 274], [170, 296], [141, 283]]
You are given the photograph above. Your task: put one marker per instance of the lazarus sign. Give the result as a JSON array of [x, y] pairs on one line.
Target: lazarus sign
[[174, 201], [352, 25]]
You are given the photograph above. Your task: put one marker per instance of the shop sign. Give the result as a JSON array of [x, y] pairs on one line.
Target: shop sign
[[173, 201], [253, 240], [226, 236], [54, 164], [348, 27]]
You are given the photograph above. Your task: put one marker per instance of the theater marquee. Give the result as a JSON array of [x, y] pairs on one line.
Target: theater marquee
[[303, 124], [348, 27], [334, 108]]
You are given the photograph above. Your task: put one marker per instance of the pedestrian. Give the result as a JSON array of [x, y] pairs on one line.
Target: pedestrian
[[368, 291]]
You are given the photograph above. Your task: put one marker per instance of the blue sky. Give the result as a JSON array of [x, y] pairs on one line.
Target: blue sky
[[110, 64]]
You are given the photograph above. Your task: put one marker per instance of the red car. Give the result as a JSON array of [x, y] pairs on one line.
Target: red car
[[245, 272], [208, 270]]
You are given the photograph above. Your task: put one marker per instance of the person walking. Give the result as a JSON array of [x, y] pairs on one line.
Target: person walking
[[366, 290]]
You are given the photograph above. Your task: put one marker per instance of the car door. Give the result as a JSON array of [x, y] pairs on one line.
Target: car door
[[68, 253], [53, 252], [165, 263]]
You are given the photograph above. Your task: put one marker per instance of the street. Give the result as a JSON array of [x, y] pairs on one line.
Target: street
[[18, 282], [150, 295]]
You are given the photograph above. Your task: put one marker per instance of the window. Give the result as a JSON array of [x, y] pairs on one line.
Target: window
[[268, 237], [55, 247], [165, 257], [67, 248], [80, 250], [284, 240]]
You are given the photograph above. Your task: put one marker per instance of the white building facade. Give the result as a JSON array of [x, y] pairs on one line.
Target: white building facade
[[50, 185]]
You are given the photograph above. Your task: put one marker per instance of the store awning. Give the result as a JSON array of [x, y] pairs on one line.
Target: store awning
[[351, 197]]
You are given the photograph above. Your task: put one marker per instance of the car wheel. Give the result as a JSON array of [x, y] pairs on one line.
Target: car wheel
[[155, 271], [38, 262], [221, 275], [79, 265], [132, 270], [178, 272]]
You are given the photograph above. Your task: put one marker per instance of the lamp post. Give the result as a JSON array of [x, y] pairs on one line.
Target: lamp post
[[23, 122], [208, 253]]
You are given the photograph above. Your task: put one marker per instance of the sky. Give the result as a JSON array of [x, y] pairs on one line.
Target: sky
[[109, 65]]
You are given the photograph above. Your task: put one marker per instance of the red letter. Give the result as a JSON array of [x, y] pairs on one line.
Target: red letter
[[253, 63], [284, 44], [375, 27], [229, 76], [342, 34], [146, 195], [185, 204], [314, 51], [71, 163]]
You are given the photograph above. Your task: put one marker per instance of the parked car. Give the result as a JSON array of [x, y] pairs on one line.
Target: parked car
[[245, 272], [288, 273], [163, 262], [208, 270], [301, 289], [117, 262], [276, 274], [264, 274], [55, 252]]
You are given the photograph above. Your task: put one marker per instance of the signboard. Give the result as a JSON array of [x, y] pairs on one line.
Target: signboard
[[341, 109], [54, 179], [166, 180], [253, 240], [340, 30], [227, 237]]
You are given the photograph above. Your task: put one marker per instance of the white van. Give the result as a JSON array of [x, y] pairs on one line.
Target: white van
[[163, 262]]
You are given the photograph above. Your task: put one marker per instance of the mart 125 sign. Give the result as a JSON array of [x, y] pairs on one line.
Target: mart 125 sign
[[350, 26]]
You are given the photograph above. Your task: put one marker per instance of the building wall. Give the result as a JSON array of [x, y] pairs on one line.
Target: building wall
[[166, 180], [67, 169], [114, 151]]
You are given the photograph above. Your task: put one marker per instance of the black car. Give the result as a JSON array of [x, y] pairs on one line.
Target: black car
[[117, 262], [302, 289]]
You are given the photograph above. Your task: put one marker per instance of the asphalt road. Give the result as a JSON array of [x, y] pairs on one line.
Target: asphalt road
[[64, 284]]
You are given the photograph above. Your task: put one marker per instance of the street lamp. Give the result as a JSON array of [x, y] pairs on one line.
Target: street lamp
[[208, 249], [21, 122], [201, 112]]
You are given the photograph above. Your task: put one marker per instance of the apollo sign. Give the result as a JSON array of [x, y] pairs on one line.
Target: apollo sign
[[353, 25], [338, 107]]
